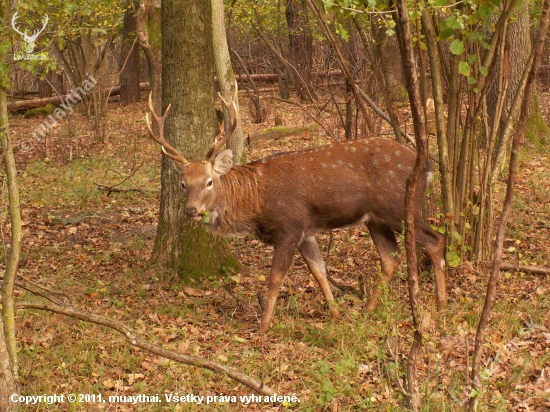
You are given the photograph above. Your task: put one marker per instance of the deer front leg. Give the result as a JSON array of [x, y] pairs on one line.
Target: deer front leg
[[282, 259], [386, 244], [309, 249]]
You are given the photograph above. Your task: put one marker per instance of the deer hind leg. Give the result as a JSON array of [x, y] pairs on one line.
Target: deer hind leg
[[386, 244], [309, 249], [435, 247], [282, 259]]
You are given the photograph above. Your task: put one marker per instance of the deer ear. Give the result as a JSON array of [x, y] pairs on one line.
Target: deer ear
[[223, 162], [178, 167]]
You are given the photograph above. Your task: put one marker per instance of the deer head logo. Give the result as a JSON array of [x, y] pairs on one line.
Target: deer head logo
[[30, 41]]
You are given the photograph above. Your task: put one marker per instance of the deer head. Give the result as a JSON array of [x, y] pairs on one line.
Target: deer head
[[29, 40], [198, 179]]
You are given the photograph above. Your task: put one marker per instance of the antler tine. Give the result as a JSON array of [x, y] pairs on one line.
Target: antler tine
[[166, 147], [232, 114], [13, 20]]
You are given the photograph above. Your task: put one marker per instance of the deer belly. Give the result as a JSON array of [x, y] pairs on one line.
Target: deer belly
[[332, 218]]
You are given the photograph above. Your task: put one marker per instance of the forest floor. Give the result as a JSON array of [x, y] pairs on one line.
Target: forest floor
[[94, 247]]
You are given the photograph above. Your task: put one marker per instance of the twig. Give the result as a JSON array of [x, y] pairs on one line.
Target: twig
[[396, 359], [114, 188], [383, 115], [340, 286], [327, 131], [42, 291], [137, 341]]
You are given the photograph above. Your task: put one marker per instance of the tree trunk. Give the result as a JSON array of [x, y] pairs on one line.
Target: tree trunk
[[44, 88], [8, 349], [300, 43], [518, 48], [148, 23], [7, 381], [226, 77], [390, 59], [129, 60], [188, 85]]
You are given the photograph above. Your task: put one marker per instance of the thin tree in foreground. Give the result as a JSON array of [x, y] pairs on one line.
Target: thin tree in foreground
[[531, 69]]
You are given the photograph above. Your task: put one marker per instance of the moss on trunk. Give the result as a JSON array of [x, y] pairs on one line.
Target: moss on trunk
[[536, 129]]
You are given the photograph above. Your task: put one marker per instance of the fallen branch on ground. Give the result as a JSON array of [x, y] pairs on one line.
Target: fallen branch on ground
[[111, 189], [136, 341], [533, 270]]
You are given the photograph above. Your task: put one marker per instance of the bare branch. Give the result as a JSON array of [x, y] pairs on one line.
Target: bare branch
[[137, 341]]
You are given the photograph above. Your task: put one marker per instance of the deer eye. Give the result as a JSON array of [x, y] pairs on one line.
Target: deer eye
[[209, 183]]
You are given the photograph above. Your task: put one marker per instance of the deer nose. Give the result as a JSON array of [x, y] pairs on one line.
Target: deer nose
[[191, 211]]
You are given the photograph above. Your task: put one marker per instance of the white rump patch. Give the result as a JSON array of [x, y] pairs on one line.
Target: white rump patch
[[429, 176]]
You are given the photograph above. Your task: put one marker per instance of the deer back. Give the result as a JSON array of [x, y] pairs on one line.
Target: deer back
[[304, 192]]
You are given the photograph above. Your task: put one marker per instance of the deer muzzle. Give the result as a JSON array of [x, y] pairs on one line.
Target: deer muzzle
[[193, 213]]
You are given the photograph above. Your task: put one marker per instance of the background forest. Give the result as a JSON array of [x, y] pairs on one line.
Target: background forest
[[108, 290]]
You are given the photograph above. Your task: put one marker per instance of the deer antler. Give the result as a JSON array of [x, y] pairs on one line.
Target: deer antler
[[167, 148], [36, 33], [232, 112], [13, 20]]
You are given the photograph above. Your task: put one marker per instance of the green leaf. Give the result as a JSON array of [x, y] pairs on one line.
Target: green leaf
[[473, 58], [483, 70], [446, 33], [487, 10], [472, 80], [441, 3], [464, 68], [453, 259], [457, 236], [476, 36], [453, 23], [457, 47]]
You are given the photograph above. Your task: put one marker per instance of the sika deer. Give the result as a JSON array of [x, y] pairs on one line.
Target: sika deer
[[285, 199]]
